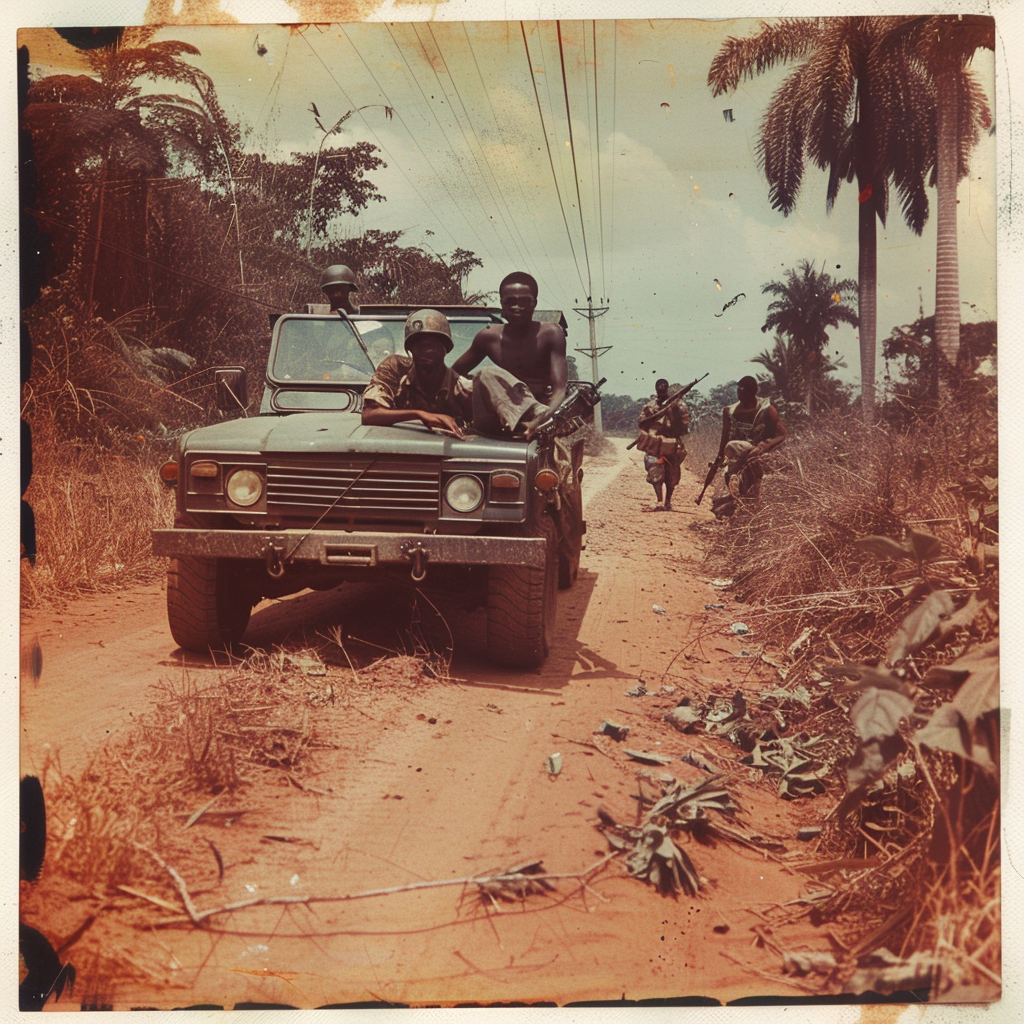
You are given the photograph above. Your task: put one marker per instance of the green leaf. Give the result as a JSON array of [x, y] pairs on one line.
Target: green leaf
[[946, 730], [884, 547], [917, 628], [980, 693], [878, 712]]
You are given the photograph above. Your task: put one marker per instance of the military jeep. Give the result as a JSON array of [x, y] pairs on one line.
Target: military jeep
[[303, 495]]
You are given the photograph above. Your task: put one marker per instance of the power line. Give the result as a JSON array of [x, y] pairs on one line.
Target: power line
[[572, 150], [387, 152], [439, 177], [595, 192], [275, 84], [476, 134], [615, 107], [465, 137], [508, 157], [551, 162], [597, 136]]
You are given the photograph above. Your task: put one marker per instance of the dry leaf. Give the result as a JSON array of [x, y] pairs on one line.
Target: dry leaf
[[918, 627]]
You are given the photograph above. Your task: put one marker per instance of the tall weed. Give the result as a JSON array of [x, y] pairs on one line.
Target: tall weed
[[95, 510]]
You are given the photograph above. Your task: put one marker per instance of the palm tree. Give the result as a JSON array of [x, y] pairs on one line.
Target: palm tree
[[786, 365], [808, 303], [856, 110], [101, 129], [943, 45]]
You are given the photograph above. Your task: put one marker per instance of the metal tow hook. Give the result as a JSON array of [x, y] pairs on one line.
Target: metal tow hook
[[275, 567], [419, 555]]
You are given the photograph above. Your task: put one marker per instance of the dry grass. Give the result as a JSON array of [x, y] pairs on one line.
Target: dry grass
[[95, 510], [926, 836], [793, 554], [197, 742]]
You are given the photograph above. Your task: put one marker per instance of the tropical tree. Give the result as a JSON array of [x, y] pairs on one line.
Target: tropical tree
[[808, 304], [787, 365], [914, 350], [856, 109], [943, 46], [391, 272], [99, 141]]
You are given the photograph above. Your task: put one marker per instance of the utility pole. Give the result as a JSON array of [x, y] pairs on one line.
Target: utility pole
[[592, 312]]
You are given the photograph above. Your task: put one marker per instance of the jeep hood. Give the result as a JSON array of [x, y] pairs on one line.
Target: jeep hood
[[309, 433]]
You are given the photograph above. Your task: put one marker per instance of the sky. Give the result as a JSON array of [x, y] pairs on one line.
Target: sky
[[666, 241], [645, 197]]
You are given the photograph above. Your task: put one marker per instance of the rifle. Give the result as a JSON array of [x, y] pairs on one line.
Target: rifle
[[568, 417], [714, 467], [668, 402]]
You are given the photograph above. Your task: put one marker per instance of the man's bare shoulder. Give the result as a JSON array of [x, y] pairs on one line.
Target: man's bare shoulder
[[549, 333], [489, 335]]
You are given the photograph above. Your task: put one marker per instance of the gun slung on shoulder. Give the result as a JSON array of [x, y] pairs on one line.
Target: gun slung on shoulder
[[668, 401], [572, 406]]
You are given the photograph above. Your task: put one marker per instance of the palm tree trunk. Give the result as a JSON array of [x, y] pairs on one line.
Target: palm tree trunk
[[867, 299], [947, 279]]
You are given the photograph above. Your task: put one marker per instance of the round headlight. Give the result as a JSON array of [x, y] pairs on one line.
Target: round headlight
[[464, 493], [245, 487]]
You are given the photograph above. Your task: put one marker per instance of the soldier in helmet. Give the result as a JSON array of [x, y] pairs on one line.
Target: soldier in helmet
[[419, 386], [338, 283]]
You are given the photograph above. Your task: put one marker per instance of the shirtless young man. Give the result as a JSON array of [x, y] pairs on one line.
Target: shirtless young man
[[531, 351]]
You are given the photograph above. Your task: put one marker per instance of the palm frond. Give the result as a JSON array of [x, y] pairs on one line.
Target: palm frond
[[780, 146], [778, 42]]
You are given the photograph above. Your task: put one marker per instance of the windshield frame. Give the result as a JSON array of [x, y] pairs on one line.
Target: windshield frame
[[280, 381]]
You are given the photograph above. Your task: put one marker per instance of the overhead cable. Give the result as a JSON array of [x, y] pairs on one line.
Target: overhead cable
[[440, 177], [512, 168], [551, 161], [597, 137], [387, 152], [572, 150], [469, 145]]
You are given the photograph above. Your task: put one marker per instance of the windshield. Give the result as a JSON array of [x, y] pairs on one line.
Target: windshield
[[321, 349], [317, 349], [384, 336]]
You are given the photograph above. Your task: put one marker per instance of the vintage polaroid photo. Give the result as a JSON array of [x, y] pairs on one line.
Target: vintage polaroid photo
[[510, 507]]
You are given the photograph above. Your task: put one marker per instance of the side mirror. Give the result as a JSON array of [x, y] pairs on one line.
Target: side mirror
[[232, 393]]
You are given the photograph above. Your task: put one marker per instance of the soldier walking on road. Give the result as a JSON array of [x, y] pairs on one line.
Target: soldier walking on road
[[663, 424]]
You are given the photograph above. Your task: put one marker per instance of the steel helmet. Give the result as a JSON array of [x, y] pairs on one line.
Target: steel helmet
[[338, 274], [428, 321]]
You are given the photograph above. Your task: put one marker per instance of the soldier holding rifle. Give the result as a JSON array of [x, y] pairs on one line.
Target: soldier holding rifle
[[750, 428], [664, 422]]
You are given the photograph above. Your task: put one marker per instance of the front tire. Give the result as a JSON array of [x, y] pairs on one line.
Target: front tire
[[206, 606], [521, 605]]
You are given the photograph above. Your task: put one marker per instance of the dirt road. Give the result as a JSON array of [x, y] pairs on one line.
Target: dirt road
[[415, 779]]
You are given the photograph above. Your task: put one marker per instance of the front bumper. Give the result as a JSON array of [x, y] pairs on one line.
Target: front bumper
[[343, 548]]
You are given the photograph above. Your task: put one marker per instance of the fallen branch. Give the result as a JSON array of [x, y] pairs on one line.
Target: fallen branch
[[485, 883]]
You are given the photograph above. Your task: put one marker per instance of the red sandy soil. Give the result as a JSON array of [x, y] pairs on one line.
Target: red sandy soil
[[420, 779]]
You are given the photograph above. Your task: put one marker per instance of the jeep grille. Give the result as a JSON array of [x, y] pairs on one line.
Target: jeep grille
[[353, 487]]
